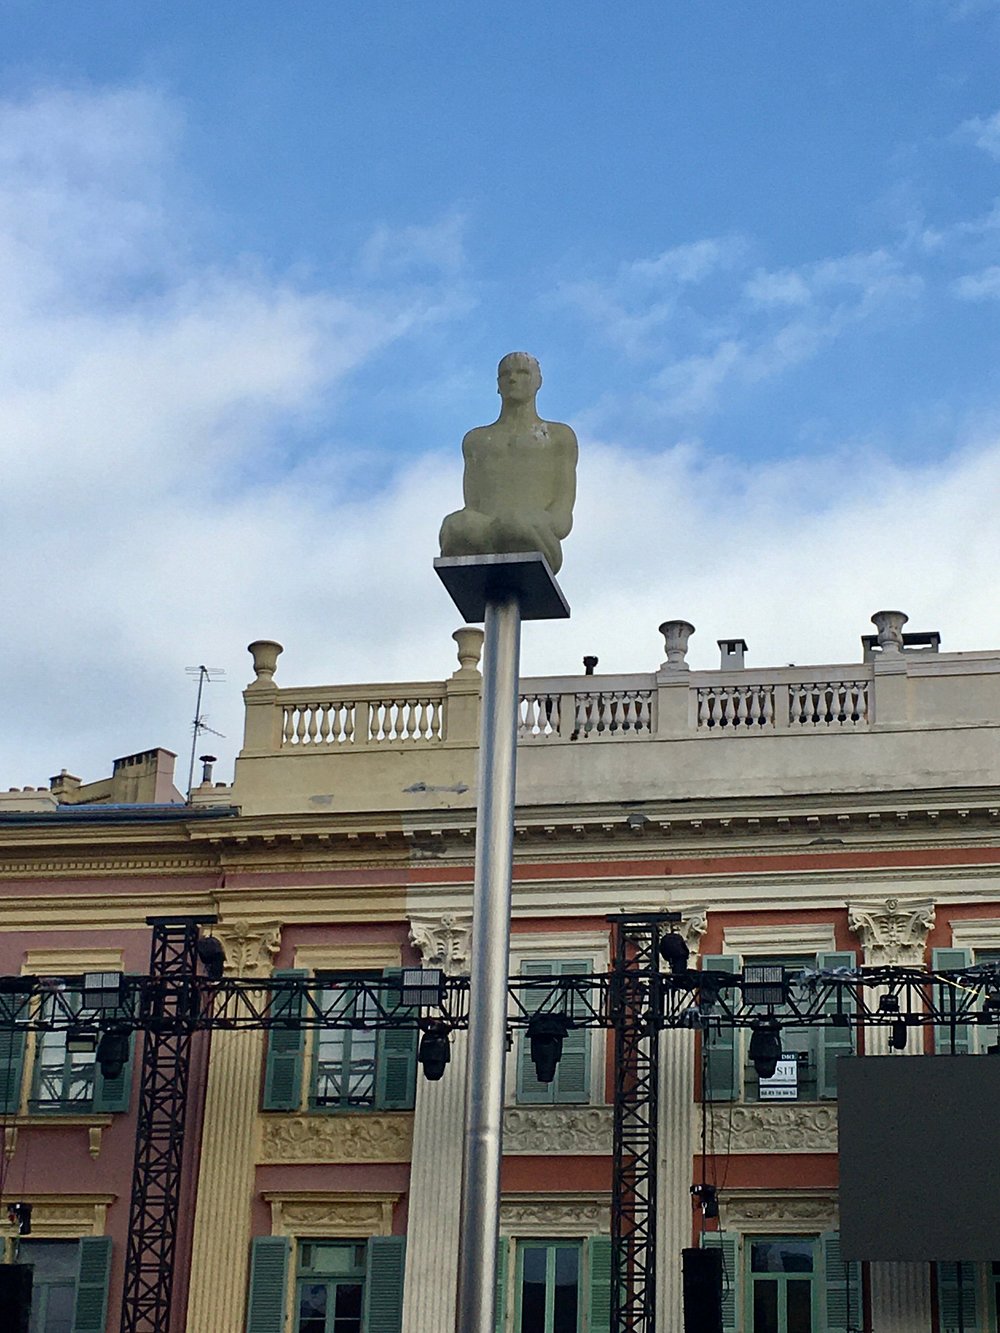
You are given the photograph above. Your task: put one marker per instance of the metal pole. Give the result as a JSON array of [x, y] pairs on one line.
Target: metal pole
[[490, 953]]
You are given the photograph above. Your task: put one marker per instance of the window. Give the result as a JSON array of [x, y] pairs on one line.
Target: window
[[572, 1081], [548, 1287], [53, 1283], [356, 1068], [338, 1286], [69, 1288], [58, 1080], [787, 1284], [794, 1082], [554, 1286], [343, 1061], [781, 1285], [329, 1295], [728, 1071], [968, 1296], [62, 1080]]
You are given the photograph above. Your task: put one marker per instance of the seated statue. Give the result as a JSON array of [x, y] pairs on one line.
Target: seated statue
[[520, 476]]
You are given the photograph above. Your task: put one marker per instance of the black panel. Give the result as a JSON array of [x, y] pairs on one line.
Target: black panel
[[702, 1291], [920, 1157], [15, 1297]]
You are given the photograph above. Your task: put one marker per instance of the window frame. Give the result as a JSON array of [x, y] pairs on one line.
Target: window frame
[[551, 1245], [548, 947], [817, 1288], [357, 1277]]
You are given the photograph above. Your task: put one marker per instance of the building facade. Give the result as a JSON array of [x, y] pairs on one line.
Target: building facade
[[831, 815]]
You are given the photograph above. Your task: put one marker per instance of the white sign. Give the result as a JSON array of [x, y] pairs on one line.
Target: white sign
[[784, 1086]]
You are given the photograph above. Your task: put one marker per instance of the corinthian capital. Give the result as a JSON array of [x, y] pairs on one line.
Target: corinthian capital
[[250, 946], [893, 931], [694, 923], [443, 941]]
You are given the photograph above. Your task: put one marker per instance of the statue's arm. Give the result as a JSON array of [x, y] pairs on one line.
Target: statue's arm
[[472, 481], [560, 508]]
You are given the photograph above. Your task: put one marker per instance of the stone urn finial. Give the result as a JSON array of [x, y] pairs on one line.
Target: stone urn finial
[[265, 653], [470, 649], [890, 630], [676, 634]]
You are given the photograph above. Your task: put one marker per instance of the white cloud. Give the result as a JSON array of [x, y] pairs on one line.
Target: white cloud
[[985, 133], [982, 286], [438, 248], [154, 517]]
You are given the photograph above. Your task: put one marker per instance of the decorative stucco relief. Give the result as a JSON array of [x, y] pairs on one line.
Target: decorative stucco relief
[[774, 1210], [336, 1138], [331, 1215], [443, 941], [565, 1214], [530, 1131], [776, 1127], [893, 931]]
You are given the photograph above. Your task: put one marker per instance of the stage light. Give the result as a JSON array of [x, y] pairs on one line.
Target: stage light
[[546, 1033], [112, 1052], [81, 1041], [674, 952], [434, 1050], [212, 956], [102, 990], [897, 1035], [888, 1004], [765, 1047], [421, 986], [19, 1215], [765, 984]]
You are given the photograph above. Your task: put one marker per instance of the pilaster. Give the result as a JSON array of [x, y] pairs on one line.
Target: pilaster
[[429, 1294], [901, 1298], [221, 1249], [893, 933], [676, 1134]]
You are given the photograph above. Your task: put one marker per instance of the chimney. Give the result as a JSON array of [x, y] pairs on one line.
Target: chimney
[[733, 652]]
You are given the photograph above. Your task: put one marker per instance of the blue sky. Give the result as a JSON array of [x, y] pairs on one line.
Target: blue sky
[[258, 263]]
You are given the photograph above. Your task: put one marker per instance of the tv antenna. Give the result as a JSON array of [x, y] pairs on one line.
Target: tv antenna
[[206, 676]]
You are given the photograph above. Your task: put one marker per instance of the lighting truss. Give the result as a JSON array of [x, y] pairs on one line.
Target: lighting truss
[[635, 1001]]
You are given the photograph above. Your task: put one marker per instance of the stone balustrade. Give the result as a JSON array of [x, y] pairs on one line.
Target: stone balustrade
[[414, 744]]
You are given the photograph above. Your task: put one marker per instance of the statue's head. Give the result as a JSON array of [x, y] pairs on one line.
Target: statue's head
[[518, 378]]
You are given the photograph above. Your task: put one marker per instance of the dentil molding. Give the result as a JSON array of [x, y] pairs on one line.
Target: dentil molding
[[543, 1131], [776, 1127], [443, 941], [893, 931], [336, 1138]]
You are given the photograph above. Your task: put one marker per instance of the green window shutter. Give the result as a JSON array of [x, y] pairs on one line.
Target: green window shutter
[[843, 1287], [947, 960], [285, 1052], [12, 1042], [90, 1306], [572, 1081], [599, 1288], [503, 1254], [529, 1091], [114, 1094], [269, 1257], [949, 1291], [722, 1083], [833, 1042], [396, 1061], [728, 1243], [384, 1284]]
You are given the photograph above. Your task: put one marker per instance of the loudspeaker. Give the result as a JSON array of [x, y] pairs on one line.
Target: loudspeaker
[[15, 1297], [702, 1291]]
